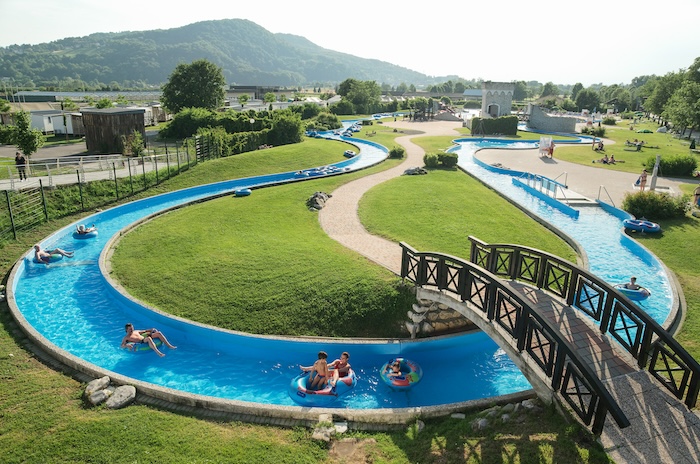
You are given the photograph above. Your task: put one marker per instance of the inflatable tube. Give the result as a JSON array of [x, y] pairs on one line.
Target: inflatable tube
[[304, 396], [242, 192], [411, 374], [54, 257], [142, 347], [80, 236], [641, 226], [349, 154], [635, 295]]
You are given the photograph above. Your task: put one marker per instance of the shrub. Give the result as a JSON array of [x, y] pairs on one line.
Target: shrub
[[431, 160], [674, 165], [609, 121], [627, 115], [653, 205], [397, 152], [473, 104], [448, 160], [595, 131]]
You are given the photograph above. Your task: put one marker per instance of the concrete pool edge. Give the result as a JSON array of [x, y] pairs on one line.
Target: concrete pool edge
[[217, 408]]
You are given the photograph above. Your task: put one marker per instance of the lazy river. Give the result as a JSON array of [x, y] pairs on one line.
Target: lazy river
[[72, 305]]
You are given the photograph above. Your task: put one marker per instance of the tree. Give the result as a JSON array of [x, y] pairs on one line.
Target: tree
[[683, 109], [104, 103], [26, 139], [550, 90], [68, 105], [575, 90], [4, 106], [133, 144], [345, 86], [664, 87], [269, 97], [520, 92], [588, 99], [196, 85], [243, 99]]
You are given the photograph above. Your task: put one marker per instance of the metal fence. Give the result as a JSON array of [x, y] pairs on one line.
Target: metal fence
[[22, 209]]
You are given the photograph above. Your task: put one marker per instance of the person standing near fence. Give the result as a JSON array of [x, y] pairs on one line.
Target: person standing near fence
[[21, 164]]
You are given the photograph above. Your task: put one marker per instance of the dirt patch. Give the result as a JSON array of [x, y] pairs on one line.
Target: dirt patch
[[350, 450]]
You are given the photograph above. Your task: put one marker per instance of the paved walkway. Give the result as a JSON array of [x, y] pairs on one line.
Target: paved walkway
[[663, 429]]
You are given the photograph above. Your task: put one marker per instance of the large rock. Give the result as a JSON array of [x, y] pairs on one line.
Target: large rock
[[122, 396], [99, 397], [96, 385], [317, 201]]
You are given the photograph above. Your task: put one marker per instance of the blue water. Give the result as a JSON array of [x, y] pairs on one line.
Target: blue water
[[72, 298], [612, 255], [71, 305]]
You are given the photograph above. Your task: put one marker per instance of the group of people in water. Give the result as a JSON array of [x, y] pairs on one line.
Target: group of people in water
[[43, 256], [323, 373]]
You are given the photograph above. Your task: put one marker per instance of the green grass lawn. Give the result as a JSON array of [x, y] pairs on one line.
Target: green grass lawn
[[44, 418], [628, 160]]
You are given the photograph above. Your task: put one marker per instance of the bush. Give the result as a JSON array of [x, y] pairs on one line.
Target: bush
[[674, 165], [472, 104], [609, 121], [5, 135], [397, 152], [627, 115], [653, 205], [431, 160], [595, 131], [448, 160]]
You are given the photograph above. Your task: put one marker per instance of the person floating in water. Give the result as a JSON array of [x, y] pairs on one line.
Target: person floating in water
[[632, 284], [320, 368], [340, 367], [82, 230], [134, 337], [44, 256]]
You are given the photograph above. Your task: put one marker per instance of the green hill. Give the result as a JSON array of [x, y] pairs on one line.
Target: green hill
[[248, 54]]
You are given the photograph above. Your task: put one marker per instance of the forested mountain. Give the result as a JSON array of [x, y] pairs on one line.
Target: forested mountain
[[247, 53]]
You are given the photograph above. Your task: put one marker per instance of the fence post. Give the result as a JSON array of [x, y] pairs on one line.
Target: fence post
[[143, 167], [43, 200], [131, 180], [116, 185], [167, 159], [177, 153], [12, 218], [80, 189], [155, 165]]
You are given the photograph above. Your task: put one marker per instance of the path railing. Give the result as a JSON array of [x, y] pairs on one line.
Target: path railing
[[652, 346], [570, 376]]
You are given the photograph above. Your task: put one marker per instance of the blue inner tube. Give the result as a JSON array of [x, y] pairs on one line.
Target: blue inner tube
[[54, 257], [634, 295], [301, 394], [639, 225], [80, 236]]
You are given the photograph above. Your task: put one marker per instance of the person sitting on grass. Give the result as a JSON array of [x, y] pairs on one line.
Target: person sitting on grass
[[135, 337], [44, 256], [320, 369]]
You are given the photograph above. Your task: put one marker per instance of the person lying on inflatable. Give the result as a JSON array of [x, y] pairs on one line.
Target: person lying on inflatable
[[82, 230], [44, 256], [134, 337]]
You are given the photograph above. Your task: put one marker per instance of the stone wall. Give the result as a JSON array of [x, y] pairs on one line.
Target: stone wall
[[539, 120], [428, 318]]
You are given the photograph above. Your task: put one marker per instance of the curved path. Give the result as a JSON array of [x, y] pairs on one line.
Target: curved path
[[339, 218]]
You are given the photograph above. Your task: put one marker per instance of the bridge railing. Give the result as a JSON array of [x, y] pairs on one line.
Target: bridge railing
[[569, 374], [652, 346]]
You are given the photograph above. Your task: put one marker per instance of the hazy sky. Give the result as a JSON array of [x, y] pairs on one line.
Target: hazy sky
[[594, 41]]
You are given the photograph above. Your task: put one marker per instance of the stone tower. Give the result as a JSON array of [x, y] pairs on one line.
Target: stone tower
[[496, 99]]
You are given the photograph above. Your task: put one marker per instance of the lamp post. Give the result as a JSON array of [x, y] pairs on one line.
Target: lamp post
[[252, 121]]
